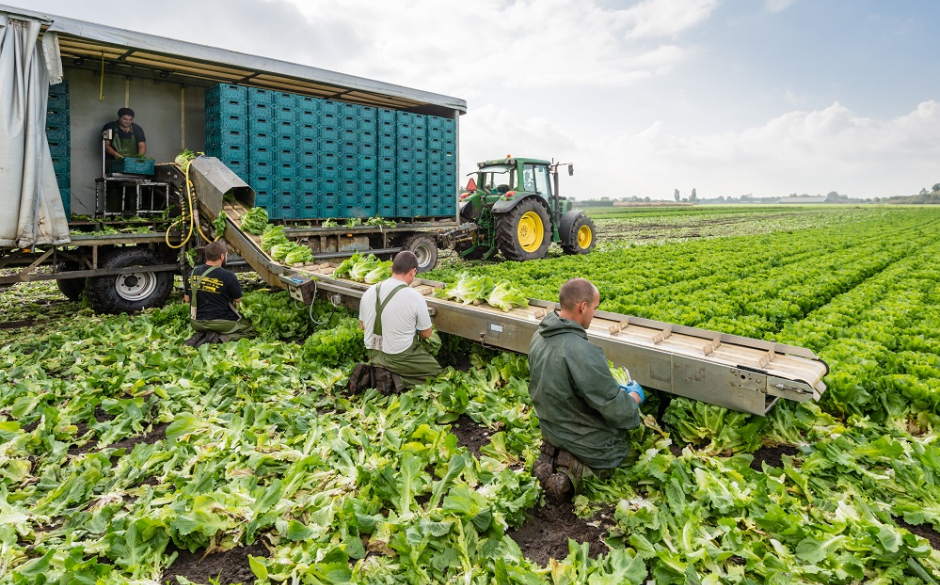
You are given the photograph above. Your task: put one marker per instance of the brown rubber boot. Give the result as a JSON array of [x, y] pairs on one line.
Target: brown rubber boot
[[568, 464], [571, 468], [558, 487], [360, 379], [544, 464], [387, 382], [398, 385], [196, 340]]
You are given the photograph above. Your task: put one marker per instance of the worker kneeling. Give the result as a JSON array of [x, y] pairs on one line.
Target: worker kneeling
[[583, 412], [397, 327], [215, 292]]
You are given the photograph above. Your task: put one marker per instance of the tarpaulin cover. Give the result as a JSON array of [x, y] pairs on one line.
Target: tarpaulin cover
[[31, 210]]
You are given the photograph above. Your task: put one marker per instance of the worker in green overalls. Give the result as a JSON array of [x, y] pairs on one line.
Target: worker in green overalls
[[127, 138], [212, 293], [398, 330]]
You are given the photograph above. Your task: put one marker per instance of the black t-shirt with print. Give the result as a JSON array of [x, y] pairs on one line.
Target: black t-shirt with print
[[214, 293]]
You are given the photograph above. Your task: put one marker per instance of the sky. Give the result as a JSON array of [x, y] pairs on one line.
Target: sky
[[729, 97]]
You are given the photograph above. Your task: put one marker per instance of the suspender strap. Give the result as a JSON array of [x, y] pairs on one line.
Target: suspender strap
[[379, 307], [194, 281]]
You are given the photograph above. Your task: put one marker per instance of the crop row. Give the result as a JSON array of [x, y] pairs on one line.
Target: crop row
[[119, 447]]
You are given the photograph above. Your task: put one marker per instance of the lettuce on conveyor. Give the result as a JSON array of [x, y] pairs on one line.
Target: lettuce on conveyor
[[505, 296], [272, 236], [298, 255], [255, 221]]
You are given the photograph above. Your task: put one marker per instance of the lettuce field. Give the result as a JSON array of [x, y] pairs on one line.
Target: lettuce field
[[127, 457]]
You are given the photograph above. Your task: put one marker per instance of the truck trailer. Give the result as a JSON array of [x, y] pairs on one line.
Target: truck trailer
[[324, 153]]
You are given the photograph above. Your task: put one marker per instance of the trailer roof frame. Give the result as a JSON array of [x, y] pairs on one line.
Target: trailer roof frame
[[80, 40]]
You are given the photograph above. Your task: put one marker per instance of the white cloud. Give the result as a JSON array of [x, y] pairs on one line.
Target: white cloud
[[655, 18], [453, 47], [801, 151], [778, 5]]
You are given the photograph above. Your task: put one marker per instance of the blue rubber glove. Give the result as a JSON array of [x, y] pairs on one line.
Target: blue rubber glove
[[635, 388]]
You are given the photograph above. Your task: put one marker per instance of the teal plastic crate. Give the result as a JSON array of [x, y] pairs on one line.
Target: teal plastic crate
[[227, 92], [132, 166], [66, 195]]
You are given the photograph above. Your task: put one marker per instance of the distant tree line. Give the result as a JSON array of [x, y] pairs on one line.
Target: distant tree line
[[924, 197]]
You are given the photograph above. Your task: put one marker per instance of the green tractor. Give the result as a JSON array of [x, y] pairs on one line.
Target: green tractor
[[518, 212]]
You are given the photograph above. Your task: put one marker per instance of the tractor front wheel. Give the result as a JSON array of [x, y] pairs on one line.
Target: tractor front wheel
[[582, 238], [525, 232]]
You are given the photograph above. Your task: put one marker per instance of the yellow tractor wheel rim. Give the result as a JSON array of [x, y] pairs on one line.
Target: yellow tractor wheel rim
[[585, 236], [531, 231]]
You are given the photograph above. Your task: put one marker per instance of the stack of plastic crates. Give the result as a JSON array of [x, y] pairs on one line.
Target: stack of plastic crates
[[59, 137], [227, 127], [312, 158], [442, 166], [386, 166]]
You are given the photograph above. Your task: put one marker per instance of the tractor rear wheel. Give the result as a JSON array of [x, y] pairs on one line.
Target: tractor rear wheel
[[424, 248], [525, 232], [582, 238]]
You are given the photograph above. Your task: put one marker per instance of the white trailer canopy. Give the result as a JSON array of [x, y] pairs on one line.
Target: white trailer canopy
[[91, 43], [31, 210]]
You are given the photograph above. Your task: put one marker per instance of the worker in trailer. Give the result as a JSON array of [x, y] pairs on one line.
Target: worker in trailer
[[127, 138], [584, 413], [212, 293], [397, 329]]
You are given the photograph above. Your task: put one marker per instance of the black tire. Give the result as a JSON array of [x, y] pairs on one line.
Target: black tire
[[582, 237], [72, 288], [129, 293], [425, 248], [518, 232]]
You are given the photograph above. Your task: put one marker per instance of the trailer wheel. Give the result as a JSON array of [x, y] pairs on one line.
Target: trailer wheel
[[582, 238], [129, 293], [425, 248], [72, 288], [524, 232]]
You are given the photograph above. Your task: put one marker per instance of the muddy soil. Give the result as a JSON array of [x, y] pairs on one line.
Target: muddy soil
[[158, 433], [470, 434], [923, 530], [227, 567], [772, 456], [545, 536], [17, 324]]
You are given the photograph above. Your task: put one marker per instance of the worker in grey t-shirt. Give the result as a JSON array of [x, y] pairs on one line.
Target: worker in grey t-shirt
[[395, 319]]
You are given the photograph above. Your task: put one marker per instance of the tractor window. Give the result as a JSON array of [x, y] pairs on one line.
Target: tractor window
[[542, 181], [528, 178], [492, 177]]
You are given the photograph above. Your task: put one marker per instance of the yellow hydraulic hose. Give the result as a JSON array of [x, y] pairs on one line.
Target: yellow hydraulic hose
[[184, 211], [188, 208]]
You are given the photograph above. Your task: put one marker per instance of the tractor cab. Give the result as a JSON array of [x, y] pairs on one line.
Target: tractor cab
[[515, 205]]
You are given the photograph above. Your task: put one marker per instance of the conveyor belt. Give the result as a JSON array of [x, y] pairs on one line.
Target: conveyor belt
[[743, 374], [740, 373]]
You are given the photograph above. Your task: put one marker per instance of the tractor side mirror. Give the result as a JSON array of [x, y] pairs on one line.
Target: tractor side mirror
[[570, 170]]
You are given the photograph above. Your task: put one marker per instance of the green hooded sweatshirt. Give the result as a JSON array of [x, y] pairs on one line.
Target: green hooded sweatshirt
[[580, 406]]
